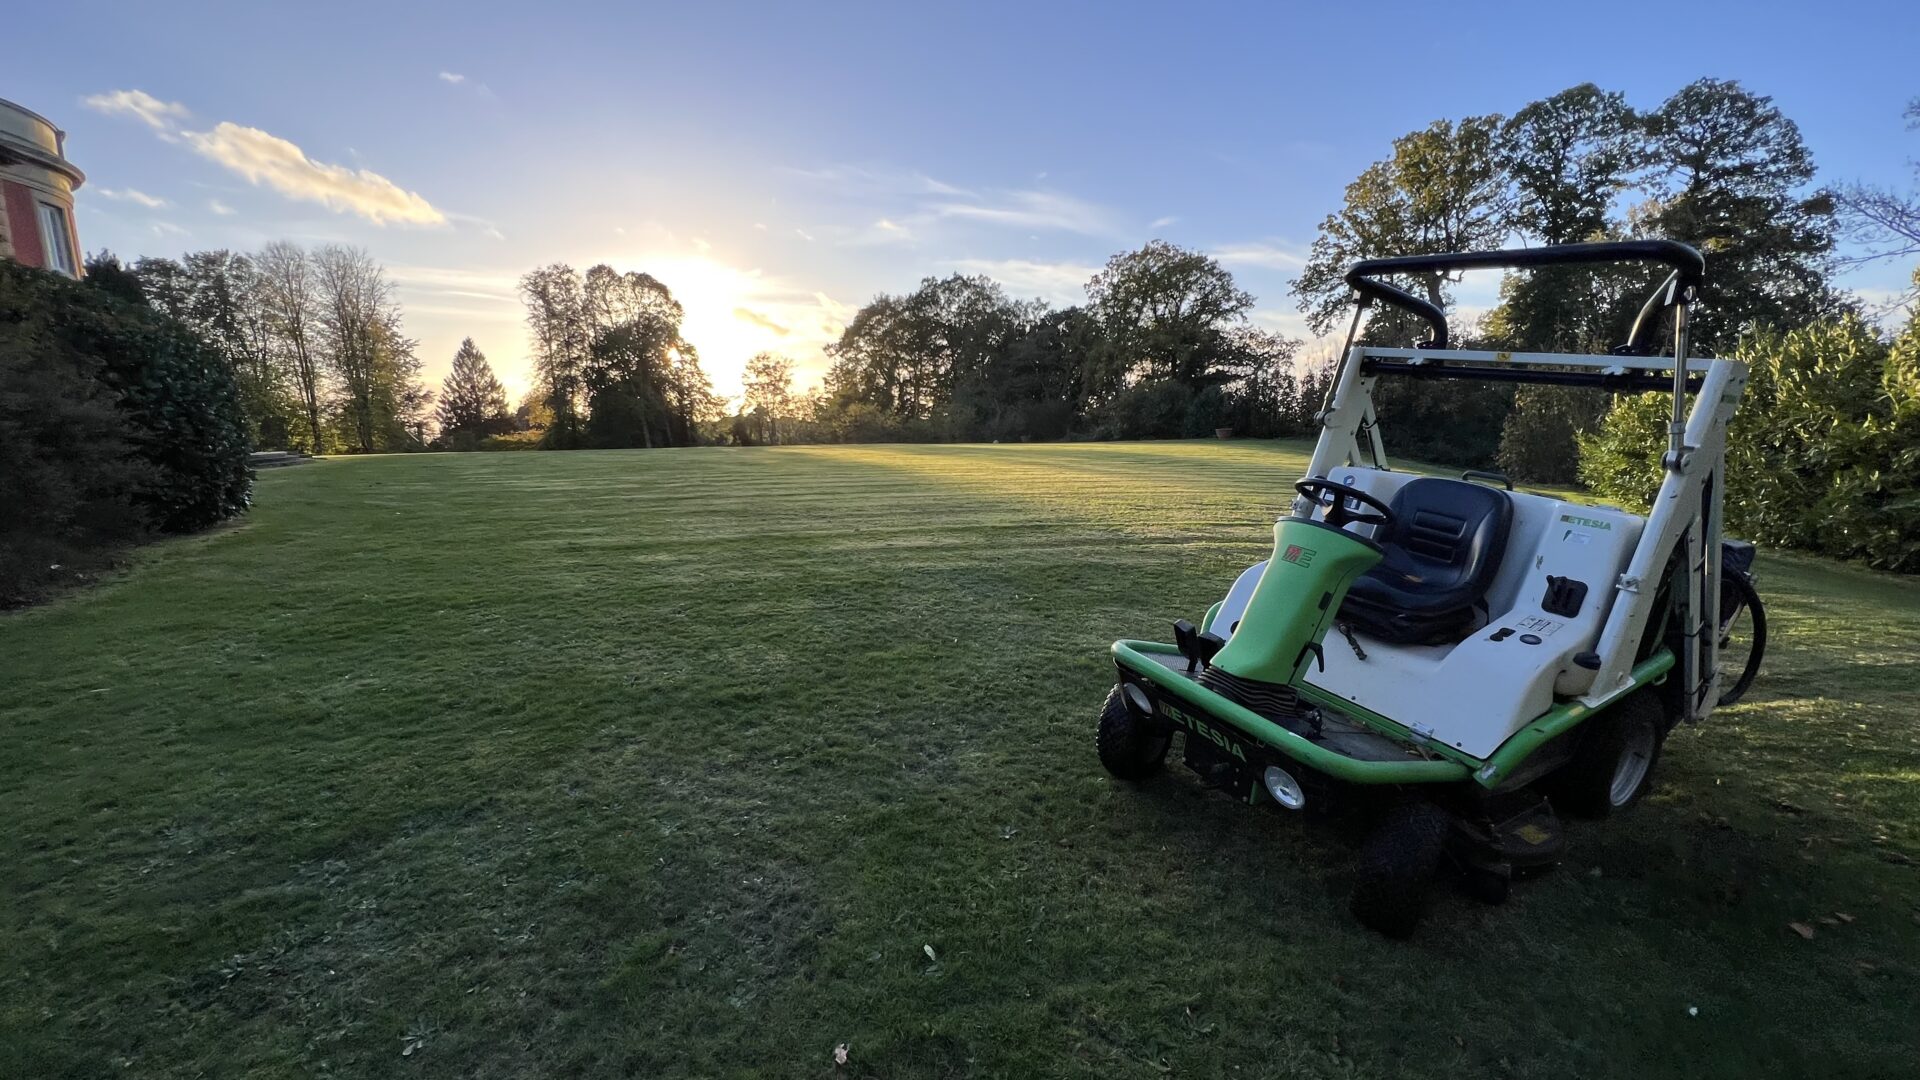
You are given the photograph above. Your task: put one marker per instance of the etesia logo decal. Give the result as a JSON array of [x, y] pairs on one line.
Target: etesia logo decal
[[1297, 555], [1591, 523], [1206, 732]]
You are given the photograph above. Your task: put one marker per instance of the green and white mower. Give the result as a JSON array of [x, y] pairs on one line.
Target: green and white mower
[[1471, 660]]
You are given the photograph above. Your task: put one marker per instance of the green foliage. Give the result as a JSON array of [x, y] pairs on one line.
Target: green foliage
[[1164, 329], [614, 368], [66, 463], [220, 295], [473, 404], [114, 419], [1730, 173], [1824, 454], [1146, 410], [1456, 422], [1442, 189], [517, 440], [1538, 438]]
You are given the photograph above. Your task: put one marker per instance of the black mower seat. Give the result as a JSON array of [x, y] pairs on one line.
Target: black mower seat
[[1441, 555]]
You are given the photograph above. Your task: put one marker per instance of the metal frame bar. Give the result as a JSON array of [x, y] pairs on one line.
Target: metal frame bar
[[1689, 271], [1608, 363]]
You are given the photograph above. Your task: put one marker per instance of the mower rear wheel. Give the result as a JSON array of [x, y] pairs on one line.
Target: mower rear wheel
[[1127, 748], [1398, 865], [1613, 766]]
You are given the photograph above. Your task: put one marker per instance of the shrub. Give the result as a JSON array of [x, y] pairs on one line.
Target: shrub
[[517, 440], [1824, 454], [114, 420], [1539, 440]]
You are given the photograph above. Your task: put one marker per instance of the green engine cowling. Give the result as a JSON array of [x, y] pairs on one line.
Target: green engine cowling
[[1294, 603]]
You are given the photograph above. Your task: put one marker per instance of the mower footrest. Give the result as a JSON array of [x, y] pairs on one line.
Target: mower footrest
[[1532, 837]]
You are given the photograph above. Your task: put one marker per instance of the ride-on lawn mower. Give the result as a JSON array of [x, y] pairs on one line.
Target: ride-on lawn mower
[[1471, 659]]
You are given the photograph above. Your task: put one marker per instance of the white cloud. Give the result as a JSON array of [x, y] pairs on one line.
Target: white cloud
[[488, 284], [1055, 282], [168, 228], [883, 232], [159, 115], [1034, 210], [765, 322], [866, 182], [1162, 222], [702, 244], [220, 208], [1290, 323], [454, 78], [267, 159], [1269, 256], [803, 234], [133, 195]]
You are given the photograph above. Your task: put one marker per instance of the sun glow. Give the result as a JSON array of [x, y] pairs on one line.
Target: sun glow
[[731, 314]]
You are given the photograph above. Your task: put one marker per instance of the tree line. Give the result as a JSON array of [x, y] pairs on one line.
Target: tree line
[[312, 339], [1164, 346]]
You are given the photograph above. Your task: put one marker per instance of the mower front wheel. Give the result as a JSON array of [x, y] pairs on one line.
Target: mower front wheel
[[1398, 865], [1128, 749], [1613, 766]]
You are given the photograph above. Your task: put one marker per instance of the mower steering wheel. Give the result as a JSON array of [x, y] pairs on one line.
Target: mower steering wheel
[[1338, 514]]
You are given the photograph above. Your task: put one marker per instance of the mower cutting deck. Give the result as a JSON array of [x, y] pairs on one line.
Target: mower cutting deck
[[1469, 659]]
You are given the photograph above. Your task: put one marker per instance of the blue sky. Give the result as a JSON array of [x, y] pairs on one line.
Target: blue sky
[[777, 165]]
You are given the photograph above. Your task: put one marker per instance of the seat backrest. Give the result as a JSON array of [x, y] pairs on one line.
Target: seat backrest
[[1455, 531]]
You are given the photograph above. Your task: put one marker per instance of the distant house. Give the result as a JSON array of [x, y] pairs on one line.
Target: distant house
[[36, 192]]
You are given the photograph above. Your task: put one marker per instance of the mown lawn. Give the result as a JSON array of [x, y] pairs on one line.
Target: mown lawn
[[701, 763]]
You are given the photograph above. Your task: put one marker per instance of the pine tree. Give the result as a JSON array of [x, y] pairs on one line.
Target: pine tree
[[472, 401]]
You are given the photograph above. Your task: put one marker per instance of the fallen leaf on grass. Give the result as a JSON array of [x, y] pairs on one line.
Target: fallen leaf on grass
[[840, 1054], [1802, 929], [928, 949], [1843, 916]]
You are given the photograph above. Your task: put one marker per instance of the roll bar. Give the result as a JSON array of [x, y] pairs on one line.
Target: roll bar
[[1689, 270]]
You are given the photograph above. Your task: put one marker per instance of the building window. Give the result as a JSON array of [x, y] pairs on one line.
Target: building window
[[58, 241]]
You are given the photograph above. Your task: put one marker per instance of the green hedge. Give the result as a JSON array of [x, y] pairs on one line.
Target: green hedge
[[1824, 454], [115, 422]]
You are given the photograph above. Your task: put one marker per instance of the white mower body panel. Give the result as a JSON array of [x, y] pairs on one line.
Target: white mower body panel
[[1475, 693], [1519, 658]]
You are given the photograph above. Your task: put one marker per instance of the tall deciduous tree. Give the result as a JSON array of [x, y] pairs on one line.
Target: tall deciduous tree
[[1732, 179], [472, 401], [610, 356], [903, 355], [1167, 313], [1442, 189], [290, 303], [1568, 158], [768, 392], [556, 315], [382, 404]]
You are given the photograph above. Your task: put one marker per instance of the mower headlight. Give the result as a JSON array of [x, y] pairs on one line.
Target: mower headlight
[[1137, 699], [1284, 788]]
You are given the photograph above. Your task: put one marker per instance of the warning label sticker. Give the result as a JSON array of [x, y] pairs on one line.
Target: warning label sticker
[[1539, 624]]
